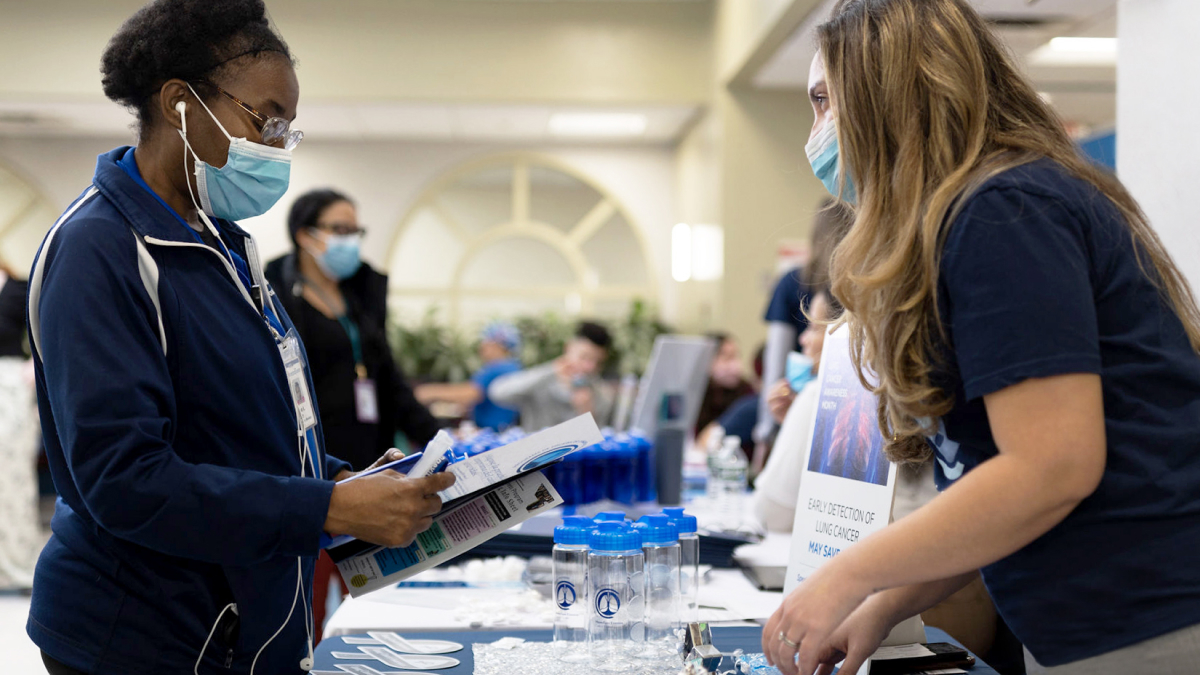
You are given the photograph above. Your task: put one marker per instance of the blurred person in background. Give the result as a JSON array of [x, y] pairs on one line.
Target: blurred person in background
[[564, 388], [338, 304], [785, 317], [20, 531], [726, 383], [499, 348], [778, 486]]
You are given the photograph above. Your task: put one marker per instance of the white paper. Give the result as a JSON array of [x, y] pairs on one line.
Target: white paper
[[894, 652], [532, 452]]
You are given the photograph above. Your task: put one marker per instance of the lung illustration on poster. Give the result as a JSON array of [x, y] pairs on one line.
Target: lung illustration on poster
[[846, 440]]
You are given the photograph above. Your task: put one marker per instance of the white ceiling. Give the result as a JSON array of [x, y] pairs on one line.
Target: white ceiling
[[1084, 94], [364, 121]]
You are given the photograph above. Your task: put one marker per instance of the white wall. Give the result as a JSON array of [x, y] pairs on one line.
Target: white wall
[[1158, 126], [385, 178]]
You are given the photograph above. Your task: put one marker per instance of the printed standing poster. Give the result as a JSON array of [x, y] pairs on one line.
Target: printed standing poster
[[848, 484]]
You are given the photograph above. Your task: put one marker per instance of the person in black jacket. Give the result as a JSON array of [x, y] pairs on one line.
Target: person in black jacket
[[339, 306]]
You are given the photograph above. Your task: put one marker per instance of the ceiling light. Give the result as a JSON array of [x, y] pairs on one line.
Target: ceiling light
[[1076, 51], [597, 124], [1084, 45]]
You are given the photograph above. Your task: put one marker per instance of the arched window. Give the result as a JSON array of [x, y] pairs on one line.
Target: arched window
[[25, 217], [517, 235]]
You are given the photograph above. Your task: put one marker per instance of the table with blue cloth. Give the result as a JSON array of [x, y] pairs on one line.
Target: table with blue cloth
[[727, 639]]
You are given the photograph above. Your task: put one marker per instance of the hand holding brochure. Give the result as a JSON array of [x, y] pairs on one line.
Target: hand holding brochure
[[493, 491]]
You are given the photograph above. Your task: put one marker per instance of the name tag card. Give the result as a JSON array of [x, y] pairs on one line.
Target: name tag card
[[289, 351]]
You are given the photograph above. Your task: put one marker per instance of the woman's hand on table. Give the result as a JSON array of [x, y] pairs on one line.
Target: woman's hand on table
[[386, 508], [814, 615]]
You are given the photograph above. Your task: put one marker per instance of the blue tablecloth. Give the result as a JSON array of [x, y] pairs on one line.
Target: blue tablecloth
[[747, 638]]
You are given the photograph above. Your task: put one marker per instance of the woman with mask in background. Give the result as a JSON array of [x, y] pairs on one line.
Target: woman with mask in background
[[725, 381], [339, 306], [1029, 330], [194, 484]]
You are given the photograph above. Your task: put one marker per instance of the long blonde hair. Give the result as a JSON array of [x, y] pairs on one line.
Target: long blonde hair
[[930, 106]]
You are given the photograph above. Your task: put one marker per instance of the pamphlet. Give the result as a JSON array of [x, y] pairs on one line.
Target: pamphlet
[[453, 532], [493, 491]]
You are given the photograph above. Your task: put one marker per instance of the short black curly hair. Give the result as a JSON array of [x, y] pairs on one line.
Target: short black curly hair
[[185, 39]]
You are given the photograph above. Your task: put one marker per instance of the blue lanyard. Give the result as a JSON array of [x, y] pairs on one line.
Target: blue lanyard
[[129, 164]]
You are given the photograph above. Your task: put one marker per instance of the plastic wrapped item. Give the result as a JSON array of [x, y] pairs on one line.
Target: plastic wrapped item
[[645, 491], [595, 473], [622, 470], [568, 479]]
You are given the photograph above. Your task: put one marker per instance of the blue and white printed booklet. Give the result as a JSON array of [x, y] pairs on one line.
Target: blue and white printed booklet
[[493, 491]]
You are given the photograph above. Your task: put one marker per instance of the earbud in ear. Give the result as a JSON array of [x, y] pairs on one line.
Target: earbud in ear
[[180, 107]]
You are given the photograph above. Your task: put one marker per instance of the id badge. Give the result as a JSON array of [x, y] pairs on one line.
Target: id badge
[[366, 404], [289, 351]]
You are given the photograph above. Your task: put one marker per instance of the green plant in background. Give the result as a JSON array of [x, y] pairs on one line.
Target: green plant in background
[[543, 337], [431, 352], [633, 339]]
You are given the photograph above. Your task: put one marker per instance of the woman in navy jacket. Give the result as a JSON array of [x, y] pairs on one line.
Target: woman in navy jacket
[[187, 452]]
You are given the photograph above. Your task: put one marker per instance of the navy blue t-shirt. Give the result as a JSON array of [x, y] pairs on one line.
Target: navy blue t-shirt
[[786, 301], [1039, 278]]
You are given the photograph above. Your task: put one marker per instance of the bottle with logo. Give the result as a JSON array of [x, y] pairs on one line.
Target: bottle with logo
[[570, 588], [689, 562], [615, 587], [660, 546]]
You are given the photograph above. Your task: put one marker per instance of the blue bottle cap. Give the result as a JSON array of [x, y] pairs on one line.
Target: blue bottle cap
[[613, 536], [574, 531], [686, 523], [658, 529], [615, 516], [624, 446]]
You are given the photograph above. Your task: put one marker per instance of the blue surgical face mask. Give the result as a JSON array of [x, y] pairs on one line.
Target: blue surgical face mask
[[799, 371], [823, 154], [253, 179], [341, 258]]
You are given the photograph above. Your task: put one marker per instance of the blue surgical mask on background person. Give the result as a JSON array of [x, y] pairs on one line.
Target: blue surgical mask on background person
[[823, 154], [254, 178], [799, 371], [341, 258]]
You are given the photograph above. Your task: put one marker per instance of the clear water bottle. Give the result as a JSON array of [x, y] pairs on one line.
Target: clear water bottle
[[712, 451], [689, 562], [730, 479], [570, 588], [660, 546], [615, 587]]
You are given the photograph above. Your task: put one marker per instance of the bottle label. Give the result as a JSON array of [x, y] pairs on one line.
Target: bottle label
[[608, 603], [564, 595]]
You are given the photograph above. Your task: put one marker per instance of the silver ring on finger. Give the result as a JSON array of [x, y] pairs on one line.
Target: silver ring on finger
[[784, 639]]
